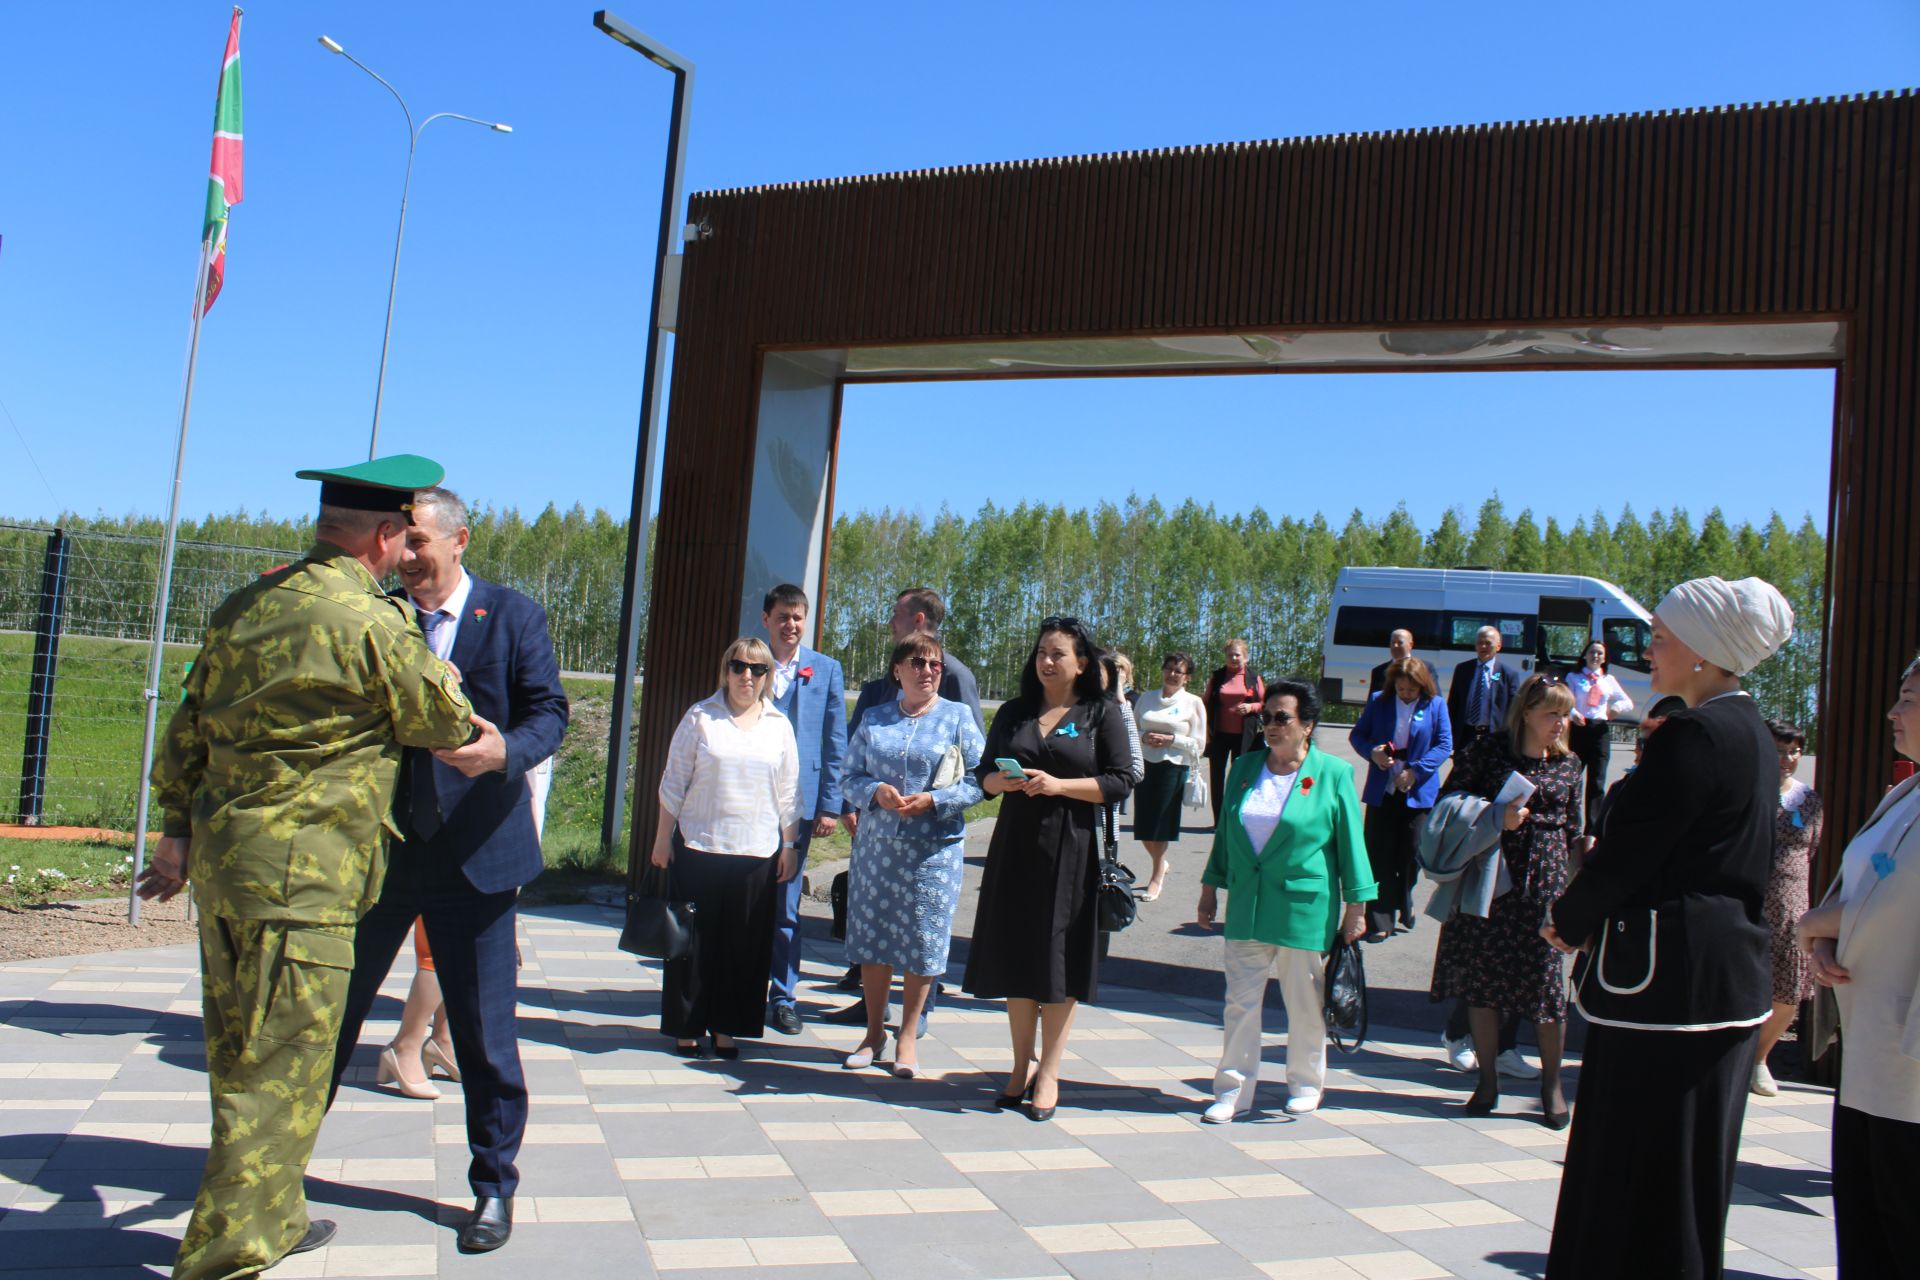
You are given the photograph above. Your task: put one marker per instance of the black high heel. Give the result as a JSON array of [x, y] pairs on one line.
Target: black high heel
[[729, 1053], [1038, 1114], [1479, 1105], [688, 1050]]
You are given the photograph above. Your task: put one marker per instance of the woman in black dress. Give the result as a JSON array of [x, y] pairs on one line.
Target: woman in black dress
[[1035, 943], [1671, 907], [1500, 965]]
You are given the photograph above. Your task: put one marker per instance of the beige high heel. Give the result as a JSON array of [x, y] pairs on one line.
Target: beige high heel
[[389, 1073], [433, 1058]]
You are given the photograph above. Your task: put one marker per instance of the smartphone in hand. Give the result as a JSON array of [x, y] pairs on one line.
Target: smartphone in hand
[[1011, 767]]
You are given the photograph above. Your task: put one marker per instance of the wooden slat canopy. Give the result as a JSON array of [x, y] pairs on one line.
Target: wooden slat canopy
[[1802, 211]]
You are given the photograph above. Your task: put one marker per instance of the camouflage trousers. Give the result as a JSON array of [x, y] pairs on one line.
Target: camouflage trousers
[[272, 994]]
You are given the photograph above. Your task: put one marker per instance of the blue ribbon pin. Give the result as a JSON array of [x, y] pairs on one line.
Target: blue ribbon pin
[[1798, 819], [1067, 731], [1883, 865]]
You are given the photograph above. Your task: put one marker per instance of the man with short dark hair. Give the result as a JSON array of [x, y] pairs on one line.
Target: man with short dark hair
[[810, 692], [469, 845]]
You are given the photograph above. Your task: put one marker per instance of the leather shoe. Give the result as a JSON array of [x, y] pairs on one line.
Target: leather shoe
[[490, 1225], [319, 1234], [786, 1020], [850, 980], [854, 1015]]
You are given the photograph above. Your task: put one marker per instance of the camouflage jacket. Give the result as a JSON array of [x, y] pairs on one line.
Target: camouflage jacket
[[281, 761]]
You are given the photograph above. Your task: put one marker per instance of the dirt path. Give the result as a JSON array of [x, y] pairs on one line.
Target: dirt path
[[77, 928]]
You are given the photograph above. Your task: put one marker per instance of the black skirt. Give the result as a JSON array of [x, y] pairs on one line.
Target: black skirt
[[722, 986], [1157, 801], [1651, 1158]]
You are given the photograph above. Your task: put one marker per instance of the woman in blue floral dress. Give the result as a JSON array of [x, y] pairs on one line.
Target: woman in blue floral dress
[[910, 776]]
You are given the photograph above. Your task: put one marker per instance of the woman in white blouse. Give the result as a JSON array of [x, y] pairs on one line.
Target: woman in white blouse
[[1864, 945], [727, 827], [1173, 733], [1597, 698]]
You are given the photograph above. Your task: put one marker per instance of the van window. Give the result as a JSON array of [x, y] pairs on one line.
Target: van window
[[1563, 643], [1368, 627], [1516, 632], [1626, 642]]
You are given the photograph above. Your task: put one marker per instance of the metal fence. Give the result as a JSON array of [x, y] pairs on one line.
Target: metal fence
[[76, 621]]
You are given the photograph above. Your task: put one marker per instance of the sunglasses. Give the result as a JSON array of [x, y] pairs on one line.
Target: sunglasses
[[919, 663], [1061, 622], [738, 667], [1275, 719]]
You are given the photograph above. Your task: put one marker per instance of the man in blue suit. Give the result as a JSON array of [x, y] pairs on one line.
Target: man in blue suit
[[469, 845], [811, 692], [1482, 687]]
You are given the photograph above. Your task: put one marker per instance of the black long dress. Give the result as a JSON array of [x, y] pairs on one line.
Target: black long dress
[[1034, 936]]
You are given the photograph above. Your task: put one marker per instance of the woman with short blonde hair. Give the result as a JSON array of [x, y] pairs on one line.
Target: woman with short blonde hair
[[727, 829]]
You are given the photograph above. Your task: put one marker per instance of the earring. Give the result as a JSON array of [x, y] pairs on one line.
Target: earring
[[1698, 667]]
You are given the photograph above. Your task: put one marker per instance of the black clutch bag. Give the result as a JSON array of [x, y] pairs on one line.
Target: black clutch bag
[[657, 927], [1346, 1000], [1114, 908]]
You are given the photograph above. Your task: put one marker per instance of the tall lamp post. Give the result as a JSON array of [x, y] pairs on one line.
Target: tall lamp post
[[647, 453], [413, 141]]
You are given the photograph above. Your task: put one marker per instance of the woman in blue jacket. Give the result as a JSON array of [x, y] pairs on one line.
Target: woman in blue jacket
[[1289, 853], [1405, 737]]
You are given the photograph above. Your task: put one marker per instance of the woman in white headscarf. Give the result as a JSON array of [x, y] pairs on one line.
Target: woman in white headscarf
[[1677, 979]]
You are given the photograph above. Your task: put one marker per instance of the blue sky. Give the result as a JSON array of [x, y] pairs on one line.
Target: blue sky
[[523, 288]]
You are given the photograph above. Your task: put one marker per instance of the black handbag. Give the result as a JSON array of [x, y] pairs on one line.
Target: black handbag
[[1345, 1008], [657, 927], [1114, 905], [837, 893]]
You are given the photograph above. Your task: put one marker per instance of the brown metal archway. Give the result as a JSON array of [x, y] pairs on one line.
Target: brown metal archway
[[1794, 218]]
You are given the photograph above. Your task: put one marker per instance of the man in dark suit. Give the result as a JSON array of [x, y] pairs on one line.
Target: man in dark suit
[[810, 691], [469, 845], [1482, 687], [1399, 647]]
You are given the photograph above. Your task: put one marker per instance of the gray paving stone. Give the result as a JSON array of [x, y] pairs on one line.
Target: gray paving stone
[[1215, 1262], [939, 1246], [870, 1166], [716, 1207], [703, 1133], [1175, 1155], [1368, 1182], [568, 1250], [1048, 1198], [1284, 1227]]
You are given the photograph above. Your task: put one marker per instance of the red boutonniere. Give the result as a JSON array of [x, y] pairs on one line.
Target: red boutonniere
[[1306, 785], [805, 674], [479, 615]]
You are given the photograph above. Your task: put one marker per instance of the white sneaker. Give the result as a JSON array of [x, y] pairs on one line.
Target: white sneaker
[[1303, 1101], [1762, 1082], [1512, 1064], [1460, 1055], [1223, 1109]]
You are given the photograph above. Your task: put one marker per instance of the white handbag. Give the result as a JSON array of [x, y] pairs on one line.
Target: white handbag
[[948, 771], [1195, 795]]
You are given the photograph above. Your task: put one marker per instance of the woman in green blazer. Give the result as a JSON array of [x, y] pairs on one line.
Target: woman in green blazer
[[1288, 850]]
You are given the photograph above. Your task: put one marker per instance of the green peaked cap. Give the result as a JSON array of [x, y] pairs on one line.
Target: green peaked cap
[[379, 484]]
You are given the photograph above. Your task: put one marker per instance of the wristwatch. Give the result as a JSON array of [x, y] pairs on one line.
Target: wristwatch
[[789, 844]]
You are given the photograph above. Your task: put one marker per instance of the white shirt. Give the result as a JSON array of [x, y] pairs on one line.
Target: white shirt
[[784, 674], [1266, 801], [442, 625], [1857, 871], [1613, 699], [732, 790], [1183, 715]]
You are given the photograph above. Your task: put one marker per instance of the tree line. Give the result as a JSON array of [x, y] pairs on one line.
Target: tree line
[[1146, 577]]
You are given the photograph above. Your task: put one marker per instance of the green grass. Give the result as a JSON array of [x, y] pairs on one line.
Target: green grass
[[34, 871]]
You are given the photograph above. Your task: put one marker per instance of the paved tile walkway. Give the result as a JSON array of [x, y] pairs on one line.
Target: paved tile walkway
[[638, 1163]]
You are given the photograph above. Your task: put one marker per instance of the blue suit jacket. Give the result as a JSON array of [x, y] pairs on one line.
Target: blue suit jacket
[[508, 670], [817, 706], [1429, 743], [1506, 683]]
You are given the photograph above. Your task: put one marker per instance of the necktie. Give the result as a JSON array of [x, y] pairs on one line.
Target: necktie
[[1481, 693], [423, 807]]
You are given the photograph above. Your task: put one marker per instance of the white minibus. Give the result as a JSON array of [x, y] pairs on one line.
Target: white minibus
[[1545, 621]]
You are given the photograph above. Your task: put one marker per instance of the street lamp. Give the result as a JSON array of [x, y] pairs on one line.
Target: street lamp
[[647, 452], [393, 284]]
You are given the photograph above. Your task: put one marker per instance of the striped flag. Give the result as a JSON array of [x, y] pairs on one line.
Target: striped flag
[[223, 179]]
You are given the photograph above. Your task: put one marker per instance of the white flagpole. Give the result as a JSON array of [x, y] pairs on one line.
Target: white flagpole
[[164, 588]]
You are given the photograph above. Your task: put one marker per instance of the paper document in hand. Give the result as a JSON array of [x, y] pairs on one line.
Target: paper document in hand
[[1516, 789]]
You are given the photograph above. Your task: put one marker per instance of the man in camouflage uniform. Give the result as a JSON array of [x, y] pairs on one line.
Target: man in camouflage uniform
[[276, 778]]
